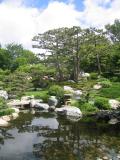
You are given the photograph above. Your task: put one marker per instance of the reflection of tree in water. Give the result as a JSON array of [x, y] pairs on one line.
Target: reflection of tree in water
[[77, 141], [70, 141]]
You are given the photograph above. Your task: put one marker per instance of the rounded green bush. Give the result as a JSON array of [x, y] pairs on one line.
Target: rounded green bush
[[102, 103], [57, 91], [87, 107]]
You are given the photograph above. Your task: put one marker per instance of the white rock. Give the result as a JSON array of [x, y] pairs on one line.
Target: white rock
[[68, 89], [3, 123], [114, 103], [42, 106], [3, 94], [69, 111], [97, 86]]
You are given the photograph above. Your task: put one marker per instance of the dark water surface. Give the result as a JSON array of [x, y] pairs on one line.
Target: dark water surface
[[44, 136]]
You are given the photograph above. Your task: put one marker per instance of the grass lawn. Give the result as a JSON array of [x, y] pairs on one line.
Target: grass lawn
[[111, 92]]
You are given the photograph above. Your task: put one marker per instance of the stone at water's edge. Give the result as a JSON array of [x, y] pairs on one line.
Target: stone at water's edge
[[42, 106], [52, 101], [34, 102], [5, 119], [3, 123], [69, 111], [52, 108]]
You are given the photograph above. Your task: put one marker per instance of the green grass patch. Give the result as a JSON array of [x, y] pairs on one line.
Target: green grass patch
[[43, 94], [111, 92], [7, 111]]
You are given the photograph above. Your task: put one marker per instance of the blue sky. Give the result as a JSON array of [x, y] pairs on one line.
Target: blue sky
[[43, 3], [79, 5]]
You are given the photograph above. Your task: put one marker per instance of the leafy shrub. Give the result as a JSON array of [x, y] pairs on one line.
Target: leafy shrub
[[115, 79], [83, 106], [57, 91], [17, 83], [87, 107], [102, 103], [102, 79], [94, 75], [106, 84]]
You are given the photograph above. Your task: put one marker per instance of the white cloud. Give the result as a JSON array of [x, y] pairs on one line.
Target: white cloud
[[19, 23]]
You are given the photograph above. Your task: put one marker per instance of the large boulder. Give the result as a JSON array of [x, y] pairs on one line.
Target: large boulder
[[3, 94], [114, 103], [52, 101], [69, 111], [42, 106]]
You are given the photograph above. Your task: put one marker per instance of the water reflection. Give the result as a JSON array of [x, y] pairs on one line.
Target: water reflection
[[45, 136]]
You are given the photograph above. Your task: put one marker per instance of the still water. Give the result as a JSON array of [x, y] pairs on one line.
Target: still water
[[44, 136]]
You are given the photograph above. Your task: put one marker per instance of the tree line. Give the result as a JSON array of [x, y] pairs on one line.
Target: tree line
[[73, 50], [69, 51]]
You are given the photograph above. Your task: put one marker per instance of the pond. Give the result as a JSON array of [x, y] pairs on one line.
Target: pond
[[46, 136]]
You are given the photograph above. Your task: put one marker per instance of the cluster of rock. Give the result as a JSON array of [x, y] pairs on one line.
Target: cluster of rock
[[112, 117], [31, 102], [4, 120], [69, 111]]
